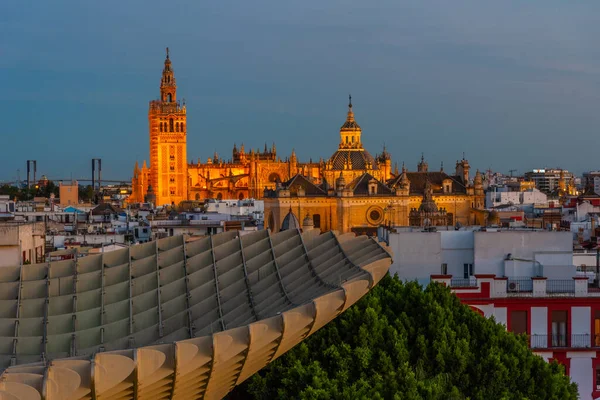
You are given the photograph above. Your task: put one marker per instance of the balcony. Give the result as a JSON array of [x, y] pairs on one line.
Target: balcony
[[492, 286], [463, 282], [524, 286], [580, 341]]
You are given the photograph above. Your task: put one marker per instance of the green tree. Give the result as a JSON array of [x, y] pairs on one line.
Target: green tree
[[405, 342]]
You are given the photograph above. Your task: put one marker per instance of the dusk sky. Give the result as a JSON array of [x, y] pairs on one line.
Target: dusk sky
[[513, 84]]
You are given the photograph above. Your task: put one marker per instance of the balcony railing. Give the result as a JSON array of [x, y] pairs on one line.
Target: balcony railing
[[519, 285], [463, 282], [582, 340], [560, 286]]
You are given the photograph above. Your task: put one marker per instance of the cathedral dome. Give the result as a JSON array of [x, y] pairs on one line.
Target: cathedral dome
[[290, 222], [352, 160]]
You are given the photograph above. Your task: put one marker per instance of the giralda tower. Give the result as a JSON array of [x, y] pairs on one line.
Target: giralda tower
[[168, 157]]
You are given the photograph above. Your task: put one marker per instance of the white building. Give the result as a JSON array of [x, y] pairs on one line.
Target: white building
[[21, 243], [499, 196], [463, 254]]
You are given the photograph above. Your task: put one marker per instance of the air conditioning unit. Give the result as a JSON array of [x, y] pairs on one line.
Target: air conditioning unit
[[513, 287]]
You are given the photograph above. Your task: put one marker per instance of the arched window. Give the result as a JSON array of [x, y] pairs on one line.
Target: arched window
[[352, 139], [346, 139], [161, 126], [169, 97], [176, 126], [171, 124], [220, 196], [182, 127]]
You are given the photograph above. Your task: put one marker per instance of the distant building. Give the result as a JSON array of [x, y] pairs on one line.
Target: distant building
[[514, 195], [68, 194], [7, 208], [21, 243], [548, 180], [591, 182]]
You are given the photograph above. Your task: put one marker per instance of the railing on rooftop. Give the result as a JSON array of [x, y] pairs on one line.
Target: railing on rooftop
[[463, 282], [519, 285], [566, 286]]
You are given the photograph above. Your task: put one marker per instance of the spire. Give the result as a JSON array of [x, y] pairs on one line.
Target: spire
[[403, 167], [442, 167], [144, 166], [168, 87]]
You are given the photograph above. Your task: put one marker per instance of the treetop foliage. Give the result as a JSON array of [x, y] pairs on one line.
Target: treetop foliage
[[404, 342]]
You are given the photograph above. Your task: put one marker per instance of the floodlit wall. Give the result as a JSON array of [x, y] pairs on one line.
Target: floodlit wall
[[170, 319]]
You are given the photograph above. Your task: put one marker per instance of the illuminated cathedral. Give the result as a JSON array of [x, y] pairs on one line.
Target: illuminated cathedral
[[351, 191]]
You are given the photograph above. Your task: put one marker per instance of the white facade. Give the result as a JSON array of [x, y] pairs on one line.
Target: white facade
[[418, 255], [250, 207], [500, 197]]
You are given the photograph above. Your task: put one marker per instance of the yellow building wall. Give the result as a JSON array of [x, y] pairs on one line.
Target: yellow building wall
[[68, 194]]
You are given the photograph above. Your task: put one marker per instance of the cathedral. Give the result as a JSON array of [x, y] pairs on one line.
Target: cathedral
[[358, 193], [170, 179], [351, 191]]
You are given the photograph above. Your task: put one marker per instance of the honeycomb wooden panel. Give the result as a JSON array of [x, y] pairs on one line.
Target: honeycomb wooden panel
[[175, 319]]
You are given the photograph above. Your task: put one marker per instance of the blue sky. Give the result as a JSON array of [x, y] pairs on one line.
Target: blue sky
[[513, 84]]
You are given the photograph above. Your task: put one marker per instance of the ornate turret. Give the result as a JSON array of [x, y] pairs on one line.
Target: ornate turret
[[350, 131], [385, 163], [462, 169], [168, 86], [427, 204], [403, 185], [340, 183], [422, 166], [478, 191], [307, 223]]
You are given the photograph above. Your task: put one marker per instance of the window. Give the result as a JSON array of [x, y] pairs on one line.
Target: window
[[597, 377], [346, 139], [160, 126], [171, 125], [172, 168], [352, 139], [559, 328], [317, 220], [518, 321], [444, 269], [176, 126], [169, 99], [468, 271]]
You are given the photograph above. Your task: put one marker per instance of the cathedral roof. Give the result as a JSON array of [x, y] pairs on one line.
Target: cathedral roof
[[358, 160], [297, 181], [290, 222], [360, 185], [418, 180]]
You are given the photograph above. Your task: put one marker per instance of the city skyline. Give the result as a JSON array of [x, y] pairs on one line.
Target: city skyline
[[505, 83]]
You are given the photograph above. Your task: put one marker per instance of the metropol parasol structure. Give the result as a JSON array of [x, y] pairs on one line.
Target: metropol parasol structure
[[175, 318]]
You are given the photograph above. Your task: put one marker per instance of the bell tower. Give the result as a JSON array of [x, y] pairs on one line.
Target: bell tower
[[168, 136]]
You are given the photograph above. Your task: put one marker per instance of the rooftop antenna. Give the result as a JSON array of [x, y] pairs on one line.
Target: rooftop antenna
[[511, 172]]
